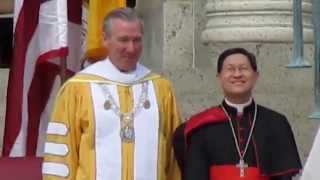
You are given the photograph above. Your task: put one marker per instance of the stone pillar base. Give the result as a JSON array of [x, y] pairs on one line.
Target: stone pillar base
[[254, 21]]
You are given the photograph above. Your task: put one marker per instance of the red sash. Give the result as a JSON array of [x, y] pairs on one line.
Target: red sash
[[231, 172]]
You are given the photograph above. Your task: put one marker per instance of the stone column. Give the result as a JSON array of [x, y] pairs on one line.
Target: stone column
[[178, 34], [168, 33], [151, 12], [254, 21]]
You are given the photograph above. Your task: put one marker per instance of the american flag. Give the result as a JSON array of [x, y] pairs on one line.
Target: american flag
[[45, 32]]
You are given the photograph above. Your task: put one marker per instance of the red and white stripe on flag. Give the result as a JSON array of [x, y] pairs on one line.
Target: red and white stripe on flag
[[45, 31]]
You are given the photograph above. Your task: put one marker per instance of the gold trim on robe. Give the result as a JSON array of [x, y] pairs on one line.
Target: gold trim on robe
[[74, 108]]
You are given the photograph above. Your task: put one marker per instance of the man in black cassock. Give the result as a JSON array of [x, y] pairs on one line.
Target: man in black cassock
[[238, 139]]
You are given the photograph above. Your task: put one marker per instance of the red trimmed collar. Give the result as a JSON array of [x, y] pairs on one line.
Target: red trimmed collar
[[212, 115]]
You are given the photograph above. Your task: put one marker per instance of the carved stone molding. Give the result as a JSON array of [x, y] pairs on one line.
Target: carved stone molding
[[254, 21]]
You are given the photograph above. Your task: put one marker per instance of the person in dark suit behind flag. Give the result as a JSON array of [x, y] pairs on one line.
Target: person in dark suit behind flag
[[238, 139]]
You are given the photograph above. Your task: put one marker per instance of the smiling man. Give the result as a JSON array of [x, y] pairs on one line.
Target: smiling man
[[114, 120], [239, 139]]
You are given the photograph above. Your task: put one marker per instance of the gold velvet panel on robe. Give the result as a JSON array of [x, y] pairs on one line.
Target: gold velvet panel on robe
[[73, 107]]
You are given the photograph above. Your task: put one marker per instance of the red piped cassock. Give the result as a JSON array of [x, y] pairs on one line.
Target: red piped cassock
[[206, 150]]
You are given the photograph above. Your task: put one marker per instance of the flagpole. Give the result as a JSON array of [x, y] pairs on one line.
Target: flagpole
[[297, 60], [63, 69], [316, 28]]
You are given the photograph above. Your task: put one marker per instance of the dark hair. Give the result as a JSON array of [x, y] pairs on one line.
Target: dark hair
[[123, 13], [251, 57]]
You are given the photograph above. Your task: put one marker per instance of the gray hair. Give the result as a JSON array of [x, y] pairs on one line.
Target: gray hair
[[125, 14]]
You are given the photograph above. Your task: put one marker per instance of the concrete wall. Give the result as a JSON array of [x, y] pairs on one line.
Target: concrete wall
[[152, 14]]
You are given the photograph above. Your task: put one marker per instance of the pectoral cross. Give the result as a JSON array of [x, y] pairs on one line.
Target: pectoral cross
[[242, 165]]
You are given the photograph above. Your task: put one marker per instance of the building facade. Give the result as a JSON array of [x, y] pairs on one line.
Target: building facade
[[184, 37]]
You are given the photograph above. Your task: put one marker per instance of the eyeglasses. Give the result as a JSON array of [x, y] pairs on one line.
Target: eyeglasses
[[233, 69]]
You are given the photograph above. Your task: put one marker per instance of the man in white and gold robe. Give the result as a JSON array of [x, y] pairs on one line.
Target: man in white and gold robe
[[114, 121]]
